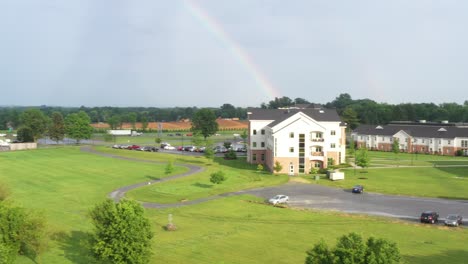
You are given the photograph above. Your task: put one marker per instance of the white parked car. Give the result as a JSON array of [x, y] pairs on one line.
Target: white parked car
[[279, 199], [169, 147]]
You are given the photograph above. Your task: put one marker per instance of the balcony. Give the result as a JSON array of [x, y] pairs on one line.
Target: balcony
[[317, 139], [317, 154]]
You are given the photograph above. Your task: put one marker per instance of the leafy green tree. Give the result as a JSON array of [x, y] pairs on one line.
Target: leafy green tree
[[320, 254], [381, 251], [169, 167], [352, 147], [217, 177], [362, 158], [21, 231], [350, 117], [122, 233], [204, 122], [231, 154], [144, 122], [132, 118], [158, 140], [114, 122], [209, 152], [278, 167], [396, 147], [25, 134], [350, 249], [57, 127], [36, 121], [77, 126]]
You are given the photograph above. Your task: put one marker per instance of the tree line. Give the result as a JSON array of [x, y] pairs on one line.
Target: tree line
[[352, 111]]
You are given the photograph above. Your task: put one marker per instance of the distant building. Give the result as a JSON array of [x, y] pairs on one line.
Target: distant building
[[441, 138], [299, 138]]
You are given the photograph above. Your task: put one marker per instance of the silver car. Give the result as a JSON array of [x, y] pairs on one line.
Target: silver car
[[453, 220], [279, 199]]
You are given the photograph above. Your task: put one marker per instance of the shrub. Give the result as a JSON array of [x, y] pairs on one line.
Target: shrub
[[230, 155], [278, 167], [217, 177]]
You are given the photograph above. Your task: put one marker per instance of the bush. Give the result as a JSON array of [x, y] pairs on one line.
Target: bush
[[278, 167], [230, 155], [25, 134], [217, 177]]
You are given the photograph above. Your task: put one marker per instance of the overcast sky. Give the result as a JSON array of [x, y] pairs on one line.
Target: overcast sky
[[243, 52]]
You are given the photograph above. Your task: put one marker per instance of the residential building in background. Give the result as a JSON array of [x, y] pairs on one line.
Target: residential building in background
[[442, 138], [299, 138]]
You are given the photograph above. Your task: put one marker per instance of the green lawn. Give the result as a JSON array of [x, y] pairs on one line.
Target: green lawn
[[65, 183], [382, 159], [233, 230]]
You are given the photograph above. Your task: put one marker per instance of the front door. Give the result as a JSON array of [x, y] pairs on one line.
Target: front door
[[291, 169]]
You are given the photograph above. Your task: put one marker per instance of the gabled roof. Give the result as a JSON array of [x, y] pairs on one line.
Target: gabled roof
[[279, 115], [436, 131]]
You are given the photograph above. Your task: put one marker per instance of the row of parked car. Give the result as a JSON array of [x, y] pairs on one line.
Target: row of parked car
[[136, 147]]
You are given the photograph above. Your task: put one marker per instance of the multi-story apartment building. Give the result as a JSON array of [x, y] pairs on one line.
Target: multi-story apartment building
[[299, 138], [442, 138]]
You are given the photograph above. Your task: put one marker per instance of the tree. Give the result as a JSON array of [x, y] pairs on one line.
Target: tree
[[217, 177], [114, 122], [352, 147], [122, 233], [396, 146], [36, 121], [320, 254], [169, 167], [21, 231], [25, 134], [132, 118], [381, 251], [278, 167], [362, 158], [204, 122], [352, 249], [57, 127], [144, 122], [77, 126], [350, 117]]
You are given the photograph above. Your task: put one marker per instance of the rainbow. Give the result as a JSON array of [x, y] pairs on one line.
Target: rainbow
[[213, 26]]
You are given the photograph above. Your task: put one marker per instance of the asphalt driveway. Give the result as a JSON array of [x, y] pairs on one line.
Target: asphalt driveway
[[322, 197]]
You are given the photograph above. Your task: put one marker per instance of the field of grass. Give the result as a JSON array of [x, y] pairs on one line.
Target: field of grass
[[427, 176], [65, 184]]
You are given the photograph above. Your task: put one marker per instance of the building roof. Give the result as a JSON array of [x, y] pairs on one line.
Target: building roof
[[279, 115], [425, 131]]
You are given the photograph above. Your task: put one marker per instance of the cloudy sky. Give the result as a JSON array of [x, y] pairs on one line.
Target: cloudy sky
[[209, 52]]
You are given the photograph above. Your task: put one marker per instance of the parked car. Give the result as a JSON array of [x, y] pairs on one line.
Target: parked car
[[170, 135], [220, 149], [169, 147], [178, 134], [429, 217], [116, 146], [133, 147], [190, 148], [189, 134], [279, 199], [453, 220], [358, 189], [180, 148], [164, 144]]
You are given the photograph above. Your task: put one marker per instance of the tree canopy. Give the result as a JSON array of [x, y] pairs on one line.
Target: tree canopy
[[57, 127], [122, 232], [77, 126], [36, 120], [204, 122]]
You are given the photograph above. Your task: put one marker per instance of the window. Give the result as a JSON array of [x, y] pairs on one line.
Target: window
[[263, 157], [423, 141], [332, 145], [383, 139], [430, 141], [318, 135], [263, 131], [448, 142], [254, 157], [255, 132], [254, 144], [291, 149], [415, 140], [391, 139], [291, 135], [263, 144], [318, 149], [464, 143], [333, 132]]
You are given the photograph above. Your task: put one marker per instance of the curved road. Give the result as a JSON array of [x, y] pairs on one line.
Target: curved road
[[318, 197]]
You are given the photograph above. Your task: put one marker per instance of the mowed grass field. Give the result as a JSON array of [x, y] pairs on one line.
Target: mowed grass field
[[65, 183], [430, 176]]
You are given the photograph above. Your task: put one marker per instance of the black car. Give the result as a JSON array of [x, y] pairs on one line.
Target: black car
[[358, 189], [429, 217]]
